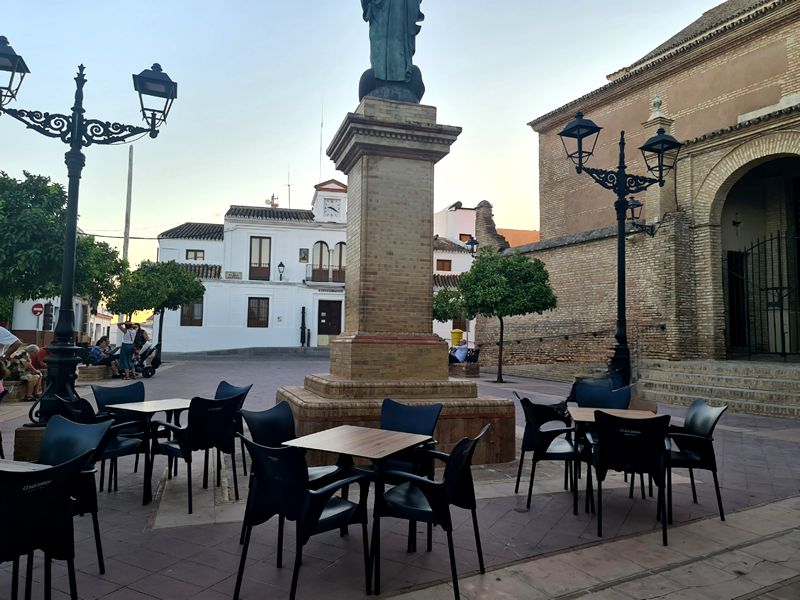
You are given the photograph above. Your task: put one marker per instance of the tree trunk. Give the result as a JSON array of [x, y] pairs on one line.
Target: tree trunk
[[500, 355], [161, 326]]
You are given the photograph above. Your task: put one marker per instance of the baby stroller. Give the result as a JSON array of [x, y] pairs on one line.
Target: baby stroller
[[140, 364]]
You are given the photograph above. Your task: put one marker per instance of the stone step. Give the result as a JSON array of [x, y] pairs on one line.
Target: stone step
[[742, 368], [723, 380], [744, 406], [726, 394]]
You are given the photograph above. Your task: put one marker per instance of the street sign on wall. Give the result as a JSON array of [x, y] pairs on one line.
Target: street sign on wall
[[37, 309]]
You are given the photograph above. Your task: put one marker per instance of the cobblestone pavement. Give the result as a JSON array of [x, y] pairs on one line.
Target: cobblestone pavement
[[158, 551]]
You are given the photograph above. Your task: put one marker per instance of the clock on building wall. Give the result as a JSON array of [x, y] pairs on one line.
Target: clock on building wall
[[332, 207]]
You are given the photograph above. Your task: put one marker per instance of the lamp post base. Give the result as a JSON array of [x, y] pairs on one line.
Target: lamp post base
[[60, 397], [619, 366]]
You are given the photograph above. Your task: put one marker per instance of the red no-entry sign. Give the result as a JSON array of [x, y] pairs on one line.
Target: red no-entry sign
[[37, 309]]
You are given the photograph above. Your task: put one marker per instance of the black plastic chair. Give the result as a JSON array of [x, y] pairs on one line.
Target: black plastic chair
[[420, 499], [226, 390], [36, 514], [695, 442], [597, 392], [630, 446], [211, 424], [273, 427], [63, 440], [545, 442], [281, 488], [103, 396]]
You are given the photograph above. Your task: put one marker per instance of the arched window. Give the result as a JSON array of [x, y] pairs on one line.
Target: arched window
[[339, 261], [320, 262]]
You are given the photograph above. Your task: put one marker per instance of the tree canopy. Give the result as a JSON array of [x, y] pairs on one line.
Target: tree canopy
[[32, 217], [501, 286], [448, 305]]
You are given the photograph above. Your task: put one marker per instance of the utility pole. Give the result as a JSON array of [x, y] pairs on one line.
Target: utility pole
[[321, 123], [289, 184], [127, 233]]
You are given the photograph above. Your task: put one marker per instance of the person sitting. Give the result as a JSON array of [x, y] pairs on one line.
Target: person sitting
[[22, 370], [460, 352], [103, 354]]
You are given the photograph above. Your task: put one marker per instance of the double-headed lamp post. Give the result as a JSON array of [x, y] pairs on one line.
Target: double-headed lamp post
[[156, 94], [660, 153], [472, 245]]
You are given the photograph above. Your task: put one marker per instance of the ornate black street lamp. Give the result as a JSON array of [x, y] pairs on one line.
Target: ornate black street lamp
[[660, 154], [77, 131], [472, 244], [281, 269]]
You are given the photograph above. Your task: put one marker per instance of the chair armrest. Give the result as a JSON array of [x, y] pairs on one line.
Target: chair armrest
[[154, 425], [438, 454], [422, 482], [126, 425], [334, 486], [591, 437], [676, 428], [693, 437]]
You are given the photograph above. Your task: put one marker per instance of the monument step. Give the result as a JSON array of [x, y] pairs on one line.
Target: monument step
[[330, 386], [739, 368], [726, 380]]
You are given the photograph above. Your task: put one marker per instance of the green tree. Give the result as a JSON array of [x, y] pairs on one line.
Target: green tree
[[448, 305], [503, 286], [32, 216], [157, 286]]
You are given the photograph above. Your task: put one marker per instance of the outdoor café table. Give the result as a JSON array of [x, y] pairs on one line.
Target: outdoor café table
[[362, 442], [19, 466], [148, 408], [586, 415]]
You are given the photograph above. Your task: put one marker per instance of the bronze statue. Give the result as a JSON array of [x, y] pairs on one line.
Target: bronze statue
[[393, 28]]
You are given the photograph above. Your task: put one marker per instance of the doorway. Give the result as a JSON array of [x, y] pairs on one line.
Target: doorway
[[329, 321]]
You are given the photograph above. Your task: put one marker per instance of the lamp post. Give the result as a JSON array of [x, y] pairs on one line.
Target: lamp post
[[78, 132], [660, 153], [472, 244], [281, 269]]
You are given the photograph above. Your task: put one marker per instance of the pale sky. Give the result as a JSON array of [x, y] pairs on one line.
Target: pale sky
[[253, 77]]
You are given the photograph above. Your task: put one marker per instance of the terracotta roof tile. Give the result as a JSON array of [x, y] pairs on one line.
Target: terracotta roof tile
[[446, 245], [267, 213], [448, 280], [203, 270], [194, 231]]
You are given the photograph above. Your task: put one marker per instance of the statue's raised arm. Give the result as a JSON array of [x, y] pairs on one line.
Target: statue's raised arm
[[393, 28]]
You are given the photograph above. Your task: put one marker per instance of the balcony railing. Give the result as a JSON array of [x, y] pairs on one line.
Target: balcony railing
[[324, 275]]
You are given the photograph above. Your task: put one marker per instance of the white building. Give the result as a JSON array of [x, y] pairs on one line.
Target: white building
[[274, 277], [91, 321], [454, 227]]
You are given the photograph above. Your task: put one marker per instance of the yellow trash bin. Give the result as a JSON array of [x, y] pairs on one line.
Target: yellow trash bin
[[455, 336]]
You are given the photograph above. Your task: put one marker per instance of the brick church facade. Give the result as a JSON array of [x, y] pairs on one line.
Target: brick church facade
[[719, 278]]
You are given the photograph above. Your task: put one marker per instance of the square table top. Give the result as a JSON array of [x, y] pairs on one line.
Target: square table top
[[154, 406], [363, 442], [19, 466], [586, 415]]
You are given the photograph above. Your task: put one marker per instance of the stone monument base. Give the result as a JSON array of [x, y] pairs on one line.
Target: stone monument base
[[327, 401]]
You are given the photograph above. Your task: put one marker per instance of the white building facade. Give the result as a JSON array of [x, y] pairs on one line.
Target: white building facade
[[274, 277]]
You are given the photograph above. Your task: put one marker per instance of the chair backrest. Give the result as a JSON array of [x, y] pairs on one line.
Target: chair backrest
[[537, 415], [271, 427], [36, 510], [63, 440], [701, 419], [457, 477], [226, 390], [598, 393], [103, 396], [212, 423], [631, 445], [409, 419], [282, 481], [473, 354]]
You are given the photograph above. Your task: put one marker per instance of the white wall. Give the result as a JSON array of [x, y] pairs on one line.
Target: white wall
[[451, 223], [174, 249], [225, 317]]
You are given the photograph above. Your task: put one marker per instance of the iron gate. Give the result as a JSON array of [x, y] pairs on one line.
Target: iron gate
[[761, 297]]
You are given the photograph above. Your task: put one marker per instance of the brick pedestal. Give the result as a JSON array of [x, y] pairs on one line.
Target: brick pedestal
[[388, 151], [27, 441]]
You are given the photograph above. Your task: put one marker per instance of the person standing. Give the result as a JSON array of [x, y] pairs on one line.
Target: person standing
[[126, 350], [9, 342]]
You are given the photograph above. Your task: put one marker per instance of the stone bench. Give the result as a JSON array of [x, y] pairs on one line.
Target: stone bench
[[464, 369], [16, 390], [93, 372]]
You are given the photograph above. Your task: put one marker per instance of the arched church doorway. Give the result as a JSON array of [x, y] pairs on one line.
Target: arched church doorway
[[760, 229]]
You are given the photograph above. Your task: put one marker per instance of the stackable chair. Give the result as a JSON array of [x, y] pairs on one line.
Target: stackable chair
[[282, 489], [64, 440], [416, 498], [545, 443], [103, 396], [695, 447], [36, 510], [630, 446], [211, 424], [226, 390]]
